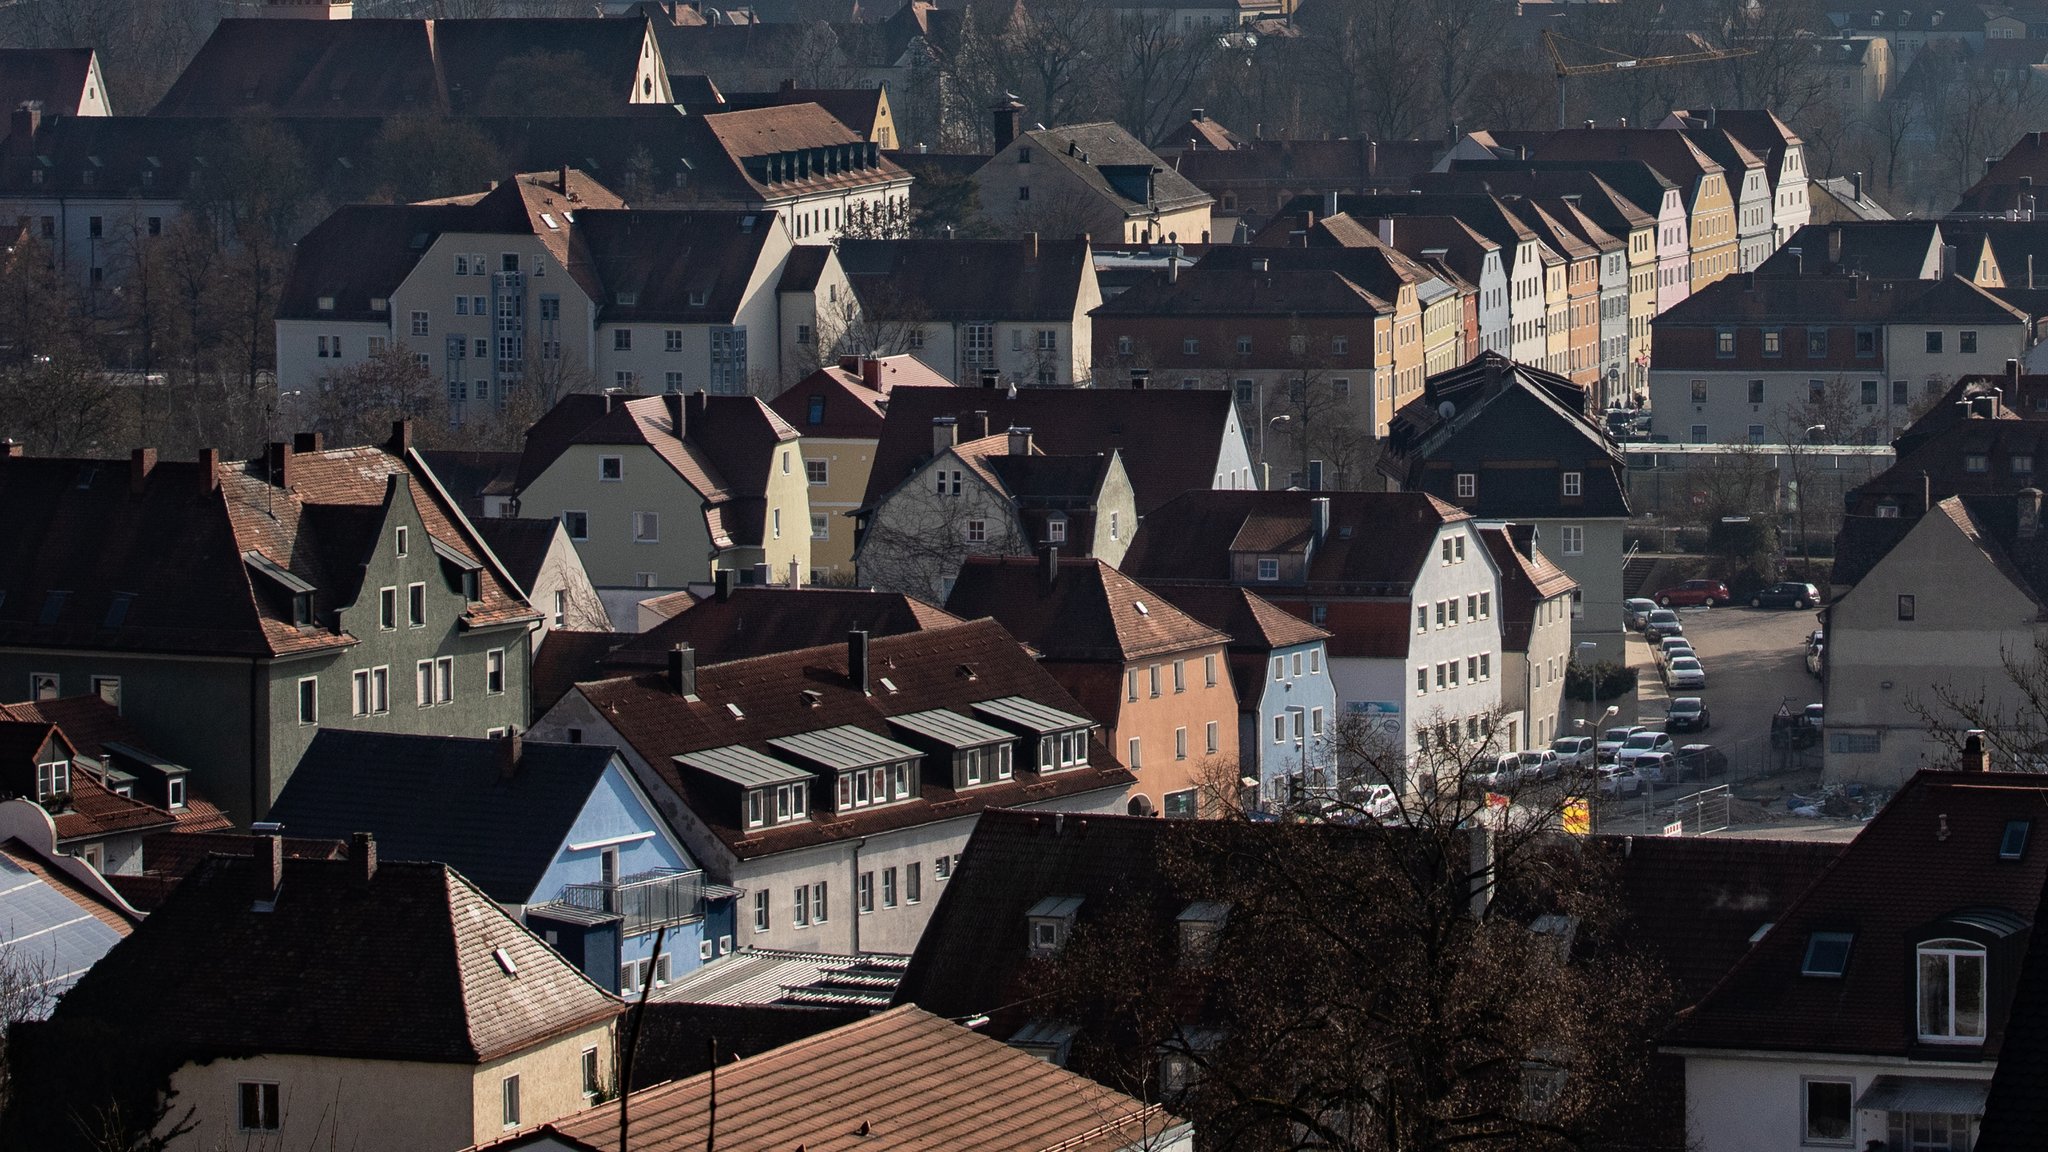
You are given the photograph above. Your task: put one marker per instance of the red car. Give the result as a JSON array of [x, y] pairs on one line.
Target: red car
[[1707, 592]]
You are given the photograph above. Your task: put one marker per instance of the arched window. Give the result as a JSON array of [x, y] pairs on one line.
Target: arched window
[[1952, 992]]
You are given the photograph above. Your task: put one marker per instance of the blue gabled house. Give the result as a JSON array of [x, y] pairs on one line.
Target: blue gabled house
[[560, 835]]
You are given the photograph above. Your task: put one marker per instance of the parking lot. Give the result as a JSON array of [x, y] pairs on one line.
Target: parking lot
[[1755, 659]]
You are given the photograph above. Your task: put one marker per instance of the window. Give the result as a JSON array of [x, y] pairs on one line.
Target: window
[[1977, 463], [1966, 343], [1906, 606], [977, 532], [423, 681], [259, 1112], [591, 1085], [2013, 845], [1023, 191], [53, 779], [416, 605], [864, 892], [942, 868], [387, 608], [611, 469], [1816, 343], [1269, 569], [577, 524], [818, 907], [1827, 954], [1699, 391], [1724, 343], [1468, 485], [1191, 347], [817, 471], [1115, 529], [1773, 342], [1934, 341], [821, 526], [1828, 1109], [420, 324], [561, 606], [1421, 681], [888, 887], [913, 882], [1952, 991], [646, 527], [1422, 617], [761, 897], [1573, 539], [800, 907], [1137, 756], [511, 1096], [1573, 483], [1153, 675], [309, 700], [1180, 743], [1485, 605]]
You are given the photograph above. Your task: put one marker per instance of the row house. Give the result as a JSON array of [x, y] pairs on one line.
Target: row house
[[308, 587], [1019, 309], [660, 492], [1259, 179], [1751, 356], [1094, 178], [1460, 254], [1511, 443], [1709, 190], [547, 280], [559, 835], [1770, 139], [1157, 678], [1756, 224], [997, 495], [1574, 331], [836, 786], [1537, 631], [1402, 581], [819, 176]]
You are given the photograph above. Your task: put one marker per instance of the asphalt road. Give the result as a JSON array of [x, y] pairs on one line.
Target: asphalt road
[[1755, 660]]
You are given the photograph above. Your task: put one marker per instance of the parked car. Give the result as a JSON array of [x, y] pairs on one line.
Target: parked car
[[1505, 771], [1817, 659], [1647, 740], [1699, 761], [1815, 713], [1786, 595], [1705, 593], [1670, 654], [1635, 612], [1668, 643], [1655, 767], [1575, 753], [1686, 672], [1375, 800], [1687, 714], [1612, 740], [1663, 622], [1540, 764], [1615, 781]]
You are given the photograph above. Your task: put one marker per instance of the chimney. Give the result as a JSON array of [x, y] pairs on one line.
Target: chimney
[[871, 373], [1856, 187], [10, 449], [209, 469], [682, 671], [24, 122], [1173, 266], [141, 462], [303, 442], [1387, 231], [1138, 378], [273, 854], [945, 433], [1329, 204], [1315, 475], [1261, 264], [1976, 752], [1050, 568], [1198, 115], [362, 852], [981, 424], [991, 379], [1798, 256], [677, 412], [2029, 512], [565, 180], [1319, 517], [857, 660], [1031, 245], [1020, 441], [510, 747], [2012, 378], [278, 465], [1006, 116], [722, 583], [1834, 246], [1926, 493], [401, 437]]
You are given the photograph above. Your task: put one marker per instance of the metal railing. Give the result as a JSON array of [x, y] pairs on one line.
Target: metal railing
[[646, 901], [1690, 815]]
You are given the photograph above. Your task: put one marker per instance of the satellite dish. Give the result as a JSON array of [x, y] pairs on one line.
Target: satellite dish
[[1447, 409]]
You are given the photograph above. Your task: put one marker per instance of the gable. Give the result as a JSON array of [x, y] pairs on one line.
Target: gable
[[1937, 555]]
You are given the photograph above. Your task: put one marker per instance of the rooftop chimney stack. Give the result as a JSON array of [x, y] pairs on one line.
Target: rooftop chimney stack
[[278, 465], [722, 582], [10, 449], [2012, 378], [857, 659], [991, 379], [1050, 569], [1319, 517], [945, 433], [1020, 441], [682, 671], [678, 412], [141, 462], [510, 747], [1976, 752], [304, 442], [2029, 513], [1315, 475], [1006, 116], [209, 469], [362, 852], [1329, 204], [273, 854], [401, 437]]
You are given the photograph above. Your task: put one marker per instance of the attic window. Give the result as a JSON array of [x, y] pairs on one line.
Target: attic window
[[735, 710], [889, 684], [967, 672], [548, 218], [504, 960], [379, 303], [327, 304], [1761, 931], [627, 299], [1050, 922], [698, 297], [1201, 926], [117, 610], [1827, 954], [2013, 845], [1140, 606], [53, 606]]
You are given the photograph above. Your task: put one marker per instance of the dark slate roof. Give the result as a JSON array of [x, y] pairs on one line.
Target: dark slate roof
[[1750, 298], [1639, 183], [1210, 290], [2016, 1113], [1879, 249], [1932, 853], [566, 658], [447, 799], [1114, 164], [857, 108], [1484, 214], [1168, 440], [668, 260], [1503, 411], [808, 691], [1089, 611], [468, 477], [2006, 184], [169, 857], [967, 280], [400, 966], [759, 621], [675, 1039], [55, 77], [1376, 545], [521, 543], [387, 67]]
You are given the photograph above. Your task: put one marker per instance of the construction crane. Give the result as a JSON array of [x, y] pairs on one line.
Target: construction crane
[[1623, 62]]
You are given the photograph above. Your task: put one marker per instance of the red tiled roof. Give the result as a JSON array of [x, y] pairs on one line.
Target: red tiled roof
[[760, 621], [1932, 853], [1527, 578], [1090, 611], [1376, 544], [952, 667], [89, 724], [1253, 623]]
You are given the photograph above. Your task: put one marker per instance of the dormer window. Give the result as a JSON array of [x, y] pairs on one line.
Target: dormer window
[[174, 791], [53, 778], [1201, 927], [1050, 922], [1269, 568], [1952, 991]]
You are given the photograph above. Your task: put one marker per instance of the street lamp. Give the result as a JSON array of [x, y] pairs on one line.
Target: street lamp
[[1266, 468]]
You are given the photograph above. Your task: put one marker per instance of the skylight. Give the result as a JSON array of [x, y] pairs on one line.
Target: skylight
[[504, 960], [1827, 954], [735, 710], [2014, 844], [1140, 606], [889, 684]]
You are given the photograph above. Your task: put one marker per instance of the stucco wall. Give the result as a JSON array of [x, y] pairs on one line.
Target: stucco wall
[[1315, 687], [847, 466], [1756, 1103], [611, 555], [391, 1105], [550, 1081]]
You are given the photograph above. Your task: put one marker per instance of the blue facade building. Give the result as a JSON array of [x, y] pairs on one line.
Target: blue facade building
[[560, 835]]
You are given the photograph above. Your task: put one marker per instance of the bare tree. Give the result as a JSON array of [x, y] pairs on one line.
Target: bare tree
[[357, 404], [1153, 67]]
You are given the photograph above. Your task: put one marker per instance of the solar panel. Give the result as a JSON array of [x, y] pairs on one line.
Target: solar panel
[[55, 937]]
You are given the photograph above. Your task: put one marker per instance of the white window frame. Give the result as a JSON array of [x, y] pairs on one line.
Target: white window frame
[[309, 715], [494, 672], [1950, 950], [1806, 1136], [508, 1093], [1574, 484], [646, 527], [416, 605], [615, 465], [1572, 539], [1468, 485], [266, 1098]]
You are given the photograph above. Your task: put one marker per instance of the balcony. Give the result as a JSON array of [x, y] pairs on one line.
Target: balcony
[[646, 901]]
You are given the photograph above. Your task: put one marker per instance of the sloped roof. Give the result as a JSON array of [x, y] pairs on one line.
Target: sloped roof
[[447, 799], [54, 77], [1376, 545], [400, 966], [1251, 621], [1637, 182], [847, 409], [57, 928], [522, 543], [1933, 852], [1748, 297], [857, 108], [670, 264], [566, 658], [1112, 162], [2016, 1112], [169, 857], [1211, 290], [1527, 578], [2007, 182], [468, 477], [951, 667], [971, 281], [759, 621], [676, 1037], [1879, 249], [1089, 611], [162, 569], [925, 1082], [1162, 437]]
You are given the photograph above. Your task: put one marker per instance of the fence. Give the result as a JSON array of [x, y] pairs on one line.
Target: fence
[[1650, 815]]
